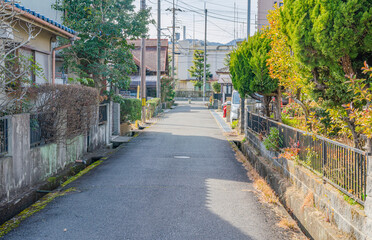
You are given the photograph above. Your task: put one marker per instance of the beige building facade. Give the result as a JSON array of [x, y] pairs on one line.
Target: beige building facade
[[263, 9]]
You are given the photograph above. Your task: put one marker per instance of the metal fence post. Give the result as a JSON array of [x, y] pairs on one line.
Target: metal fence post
[[251, 117], [368, 201], [324, 156], [246, 119]]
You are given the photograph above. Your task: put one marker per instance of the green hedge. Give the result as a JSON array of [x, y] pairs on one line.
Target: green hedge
[[130, 108], [152, 105]]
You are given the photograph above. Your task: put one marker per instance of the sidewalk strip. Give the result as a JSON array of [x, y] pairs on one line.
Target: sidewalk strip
[[225, 127]]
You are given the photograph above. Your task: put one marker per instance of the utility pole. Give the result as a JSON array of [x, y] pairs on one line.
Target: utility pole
[[158, 80], [237, 24], [143, 70], [234, 20], [193, 31], [205, 52], [173, 41], [249, 19], [242, 100]]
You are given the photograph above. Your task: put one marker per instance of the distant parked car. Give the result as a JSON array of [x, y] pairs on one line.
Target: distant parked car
[[235, 106]]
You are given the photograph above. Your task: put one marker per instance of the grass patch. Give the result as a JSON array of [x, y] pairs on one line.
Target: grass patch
[[267, 194], [287, 224], [34, 208], [308, 201], [81, 173], [350, 200]]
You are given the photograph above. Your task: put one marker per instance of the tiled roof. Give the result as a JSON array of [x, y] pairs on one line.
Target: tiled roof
[[223, 70], [151, 53], [42, 17], [225, 79]]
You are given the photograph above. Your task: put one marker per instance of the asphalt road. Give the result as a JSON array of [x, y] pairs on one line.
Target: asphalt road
[[177, 180]]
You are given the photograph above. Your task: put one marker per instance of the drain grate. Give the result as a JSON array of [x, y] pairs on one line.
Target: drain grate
[[182, 157]]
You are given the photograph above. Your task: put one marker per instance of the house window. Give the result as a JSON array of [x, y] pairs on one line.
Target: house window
[[29, 57], [281, 4], [15, 66], [42, 60]]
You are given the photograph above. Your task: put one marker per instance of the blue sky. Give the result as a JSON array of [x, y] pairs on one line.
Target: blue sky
[[220, 22]]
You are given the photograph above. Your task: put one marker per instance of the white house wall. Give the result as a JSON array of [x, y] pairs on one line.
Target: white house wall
[[215, 57]]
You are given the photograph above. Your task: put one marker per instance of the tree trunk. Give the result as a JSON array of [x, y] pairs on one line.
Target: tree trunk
[[357, 138], [267, 100], [242, 115], [347, 66], [306, 111], [255, 97], [278, 112], [318, 85]]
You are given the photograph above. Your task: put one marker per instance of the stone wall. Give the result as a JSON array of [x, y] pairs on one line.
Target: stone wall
[[368, 202], [293, 182]]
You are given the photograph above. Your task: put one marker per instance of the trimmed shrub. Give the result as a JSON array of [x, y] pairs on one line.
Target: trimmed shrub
[[130, 108], [152, 106], [273, 140]]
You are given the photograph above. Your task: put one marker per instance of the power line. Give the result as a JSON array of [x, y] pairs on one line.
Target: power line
[[209, 11], [215, 17]]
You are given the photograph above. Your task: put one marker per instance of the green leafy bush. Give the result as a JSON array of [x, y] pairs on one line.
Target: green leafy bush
[[130, 109], [167, 89], [152, 105], [216, 87], [273, 141], [311, 157], [292, 110], [293, 122], [234, 124]]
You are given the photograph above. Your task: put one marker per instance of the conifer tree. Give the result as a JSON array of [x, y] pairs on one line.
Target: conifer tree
[[197, 70]]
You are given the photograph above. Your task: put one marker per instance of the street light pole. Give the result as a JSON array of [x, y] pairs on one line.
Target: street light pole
[[173, 40], [143, 69], [158, 80], [249, 19], [205, 53]]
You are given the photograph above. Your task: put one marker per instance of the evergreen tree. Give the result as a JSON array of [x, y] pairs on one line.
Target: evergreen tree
[[249, 71], [197, 70], [103, 53], [331, 39]]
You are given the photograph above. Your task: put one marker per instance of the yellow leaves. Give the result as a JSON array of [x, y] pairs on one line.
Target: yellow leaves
[[281, 64], [366, 69]]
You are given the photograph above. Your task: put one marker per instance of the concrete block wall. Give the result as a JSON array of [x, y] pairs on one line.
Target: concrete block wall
[[115, 119], [368, 202], [100, 134], [25, 167], [15, 168]]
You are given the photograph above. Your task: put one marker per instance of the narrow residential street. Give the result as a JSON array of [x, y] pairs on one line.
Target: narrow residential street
[[177, 180]]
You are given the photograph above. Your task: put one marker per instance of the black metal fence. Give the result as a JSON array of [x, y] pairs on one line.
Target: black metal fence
[[102, 114], [42, 129], [342, 166], [4, 136], [36, 138]]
